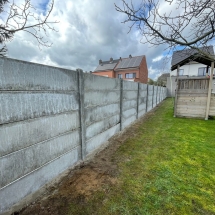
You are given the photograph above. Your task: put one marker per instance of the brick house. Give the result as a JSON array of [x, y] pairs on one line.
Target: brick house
[[131, 68]]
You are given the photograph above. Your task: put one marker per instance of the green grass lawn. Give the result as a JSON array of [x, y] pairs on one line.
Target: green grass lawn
[[168, 167]]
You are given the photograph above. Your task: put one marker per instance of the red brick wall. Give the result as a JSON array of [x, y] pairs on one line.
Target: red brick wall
[[143, 71]]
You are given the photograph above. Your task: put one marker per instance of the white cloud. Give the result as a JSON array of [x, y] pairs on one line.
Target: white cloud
[[88, 31], [158, 58], [152, 71]]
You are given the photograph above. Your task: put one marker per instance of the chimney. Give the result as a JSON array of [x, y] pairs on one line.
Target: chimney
[[111, 59], [130, 56], [120, 59], [100, 62]]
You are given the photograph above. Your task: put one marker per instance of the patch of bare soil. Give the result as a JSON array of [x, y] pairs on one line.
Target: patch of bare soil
[[84, 180]]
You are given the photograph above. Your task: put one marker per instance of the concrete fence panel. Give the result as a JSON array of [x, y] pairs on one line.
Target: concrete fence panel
[[129, 102], [150, 97], [142, 99], [158, 94], [101, 110], [39, 125], [155, 96]]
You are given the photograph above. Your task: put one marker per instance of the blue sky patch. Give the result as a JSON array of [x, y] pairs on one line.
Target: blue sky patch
[[43, 6]]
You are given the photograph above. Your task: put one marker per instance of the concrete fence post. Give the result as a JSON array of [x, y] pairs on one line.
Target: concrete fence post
[[156, 94], [138, 95], [153, 96], [82, 113], [147, 98], [121, 100]]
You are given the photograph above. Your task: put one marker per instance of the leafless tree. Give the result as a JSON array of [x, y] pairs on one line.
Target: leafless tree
[[188, 24], [24, 17]]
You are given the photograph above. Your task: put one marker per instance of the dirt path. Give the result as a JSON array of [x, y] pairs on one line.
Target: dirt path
[[85, 179]]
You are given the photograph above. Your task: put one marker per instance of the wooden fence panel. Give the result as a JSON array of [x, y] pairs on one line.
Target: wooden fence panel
[[191, 100]]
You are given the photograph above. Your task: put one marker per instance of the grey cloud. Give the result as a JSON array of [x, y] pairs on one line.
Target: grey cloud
[[88, 31]]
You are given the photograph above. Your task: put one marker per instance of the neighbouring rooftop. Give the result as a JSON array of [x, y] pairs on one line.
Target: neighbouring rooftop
[[118, 64], [185, 56]]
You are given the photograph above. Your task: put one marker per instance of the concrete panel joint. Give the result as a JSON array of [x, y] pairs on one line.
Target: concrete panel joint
[[138, 95], [82, 113], [121, 99]]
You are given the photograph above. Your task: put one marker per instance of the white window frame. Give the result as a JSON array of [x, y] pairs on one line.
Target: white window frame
[[204, 71], [130, 75], [181, 72]]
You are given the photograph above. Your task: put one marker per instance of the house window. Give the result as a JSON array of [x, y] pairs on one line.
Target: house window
[[130, 75], [202, 71], [181, 72], [119, 75]]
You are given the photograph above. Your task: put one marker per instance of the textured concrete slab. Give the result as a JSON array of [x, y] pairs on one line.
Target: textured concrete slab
[[143, 93], [142, 106], [94, 82], [128, 113], [149, 102], [32, 182], [98, 127], [141, 113], [128, 104], [98, 113], [22, 162], [98, 140], [142, 100], [150, 87], [150, 93], [94, 98], [128, 85], [21, 75], [143, 87], [16, 136], [128, 121], [129, 95], [23, 105]]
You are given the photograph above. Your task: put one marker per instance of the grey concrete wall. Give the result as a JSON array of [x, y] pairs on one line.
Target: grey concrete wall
[[155, 96], [142, 99], [102, 110], [39, 127], [171, 86], [150, 97], [159, 95], [51, 118], [129, 102]]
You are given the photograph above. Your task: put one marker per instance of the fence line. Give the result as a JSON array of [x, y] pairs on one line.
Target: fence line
[[52, 118]]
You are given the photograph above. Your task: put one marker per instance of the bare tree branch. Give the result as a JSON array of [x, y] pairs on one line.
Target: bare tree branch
[[188, 24], [25, 18]]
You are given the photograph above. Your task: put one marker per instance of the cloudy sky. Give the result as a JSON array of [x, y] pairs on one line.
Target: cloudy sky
[[88, 30]]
